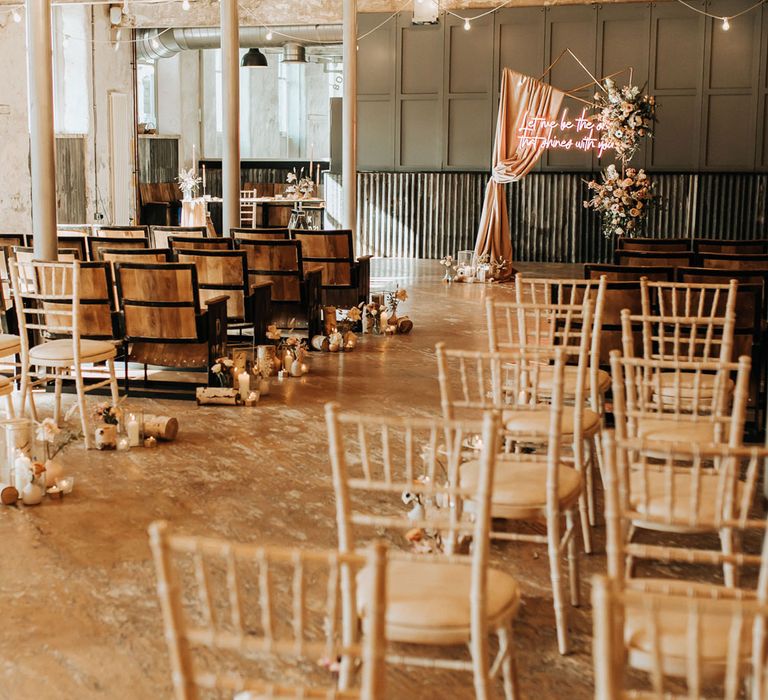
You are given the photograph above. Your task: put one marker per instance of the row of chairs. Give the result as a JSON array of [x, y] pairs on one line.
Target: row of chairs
[[719, 261], [440, 601], [694, 245]]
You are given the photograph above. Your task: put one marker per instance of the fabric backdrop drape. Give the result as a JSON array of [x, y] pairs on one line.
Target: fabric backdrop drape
[[523, 99]]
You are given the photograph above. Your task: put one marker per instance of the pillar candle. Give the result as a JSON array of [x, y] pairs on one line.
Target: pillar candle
[[132, 428], [244, 384]]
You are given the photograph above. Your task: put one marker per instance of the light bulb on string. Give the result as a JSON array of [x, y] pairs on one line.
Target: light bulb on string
[[125, 7], [185, 5], [467, 25], [726, 24], [16, 16], [269, 35]]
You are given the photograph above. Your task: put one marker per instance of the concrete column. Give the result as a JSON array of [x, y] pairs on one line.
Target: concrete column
[[230, 81], [349, 117], [42, 141]]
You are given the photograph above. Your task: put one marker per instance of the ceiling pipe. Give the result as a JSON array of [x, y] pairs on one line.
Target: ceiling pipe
[[165, 43]]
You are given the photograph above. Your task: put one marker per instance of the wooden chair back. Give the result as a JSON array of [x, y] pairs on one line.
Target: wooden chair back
[[140, 255], [84, 230], [24, 258], [48, 301], [160, 234], [177, 243], [159, 301], [649, 245], [221, 272], [332, 251], [96, 245], [733, 261], [629, 273], [69, 240], [279, 262], [730, 246], [121, 231], [260, 234], [619, 296], [654, 258], [232, 610], [650, 390], [687, 321], [248, 208]]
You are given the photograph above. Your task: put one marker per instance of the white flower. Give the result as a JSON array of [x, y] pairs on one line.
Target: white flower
[[216, 369]]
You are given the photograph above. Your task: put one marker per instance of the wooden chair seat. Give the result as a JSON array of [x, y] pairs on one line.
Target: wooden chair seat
[[6, 385], [671, 430], [536, 421], [428, 602], [570, 378], [9, 344], [649, 495], [674, 634], [60, 353], [520, 487]]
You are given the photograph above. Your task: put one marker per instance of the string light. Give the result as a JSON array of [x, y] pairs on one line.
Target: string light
[[467, 25], [269, 35], [185, 5], [726, 24], [16, 16]]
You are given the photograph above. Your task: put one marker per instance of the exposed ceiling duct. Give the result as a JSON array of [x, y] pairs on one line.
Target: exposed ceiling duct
[[164, 43]]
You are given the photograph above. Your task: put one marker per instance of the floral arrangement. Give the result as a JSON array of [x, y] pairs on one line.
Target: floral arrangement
[[493, 267], [104, 412], [349, 320], [299, 186], [292, 344], [625, 116], [621, 199], [394, 298], [223, 370], [450, 268], [273, 333], [188, 182]]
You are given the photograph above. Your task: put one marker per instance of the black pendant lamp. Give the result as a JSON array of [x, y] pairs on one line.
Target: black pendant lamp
[[254, 58]]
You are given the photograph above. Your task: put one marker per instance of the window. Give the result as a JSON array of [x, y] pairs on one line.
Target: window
[[71, 69], [146, 92]]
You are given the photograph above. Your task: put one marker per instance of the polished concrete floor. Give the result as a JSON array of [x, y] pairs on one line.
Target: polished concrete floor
[[80, 617]]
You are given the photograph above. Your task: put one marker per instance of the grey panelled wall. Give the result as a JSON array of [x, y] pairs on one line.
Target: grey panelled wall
[[428, 215], [428, 94], [70, 179], [158, 158]]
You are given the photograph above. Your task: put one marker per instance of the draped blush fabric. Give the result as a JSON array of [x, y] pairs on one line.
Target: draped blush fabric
[[525, 104]]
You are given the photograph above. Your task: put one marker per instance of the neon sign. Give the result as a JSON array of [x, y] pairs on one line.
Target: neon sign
[[580, 134]]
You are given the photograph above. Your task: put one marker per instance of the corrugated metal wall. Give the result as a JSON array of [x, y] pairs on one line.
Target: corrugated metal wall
[[429, 215], [70, 179]]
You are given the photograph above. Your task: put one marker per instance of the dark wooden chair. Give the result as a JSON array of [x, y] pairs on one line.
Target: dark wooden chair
[[296, 294], [140, 255], [346, 280], [661, 245], [226, 272], [163, 321], [160, 202], [733, 261], [70, 240], [161, 234], [121, 231], [260, 234], [96, 245], [177, 243], [639, 258], [731, 246], [628, 273]]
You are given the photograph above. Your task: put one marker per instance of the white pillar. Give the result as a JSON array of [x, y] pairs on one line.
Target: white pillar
[[42, 140], [230, 82], [349, 117]]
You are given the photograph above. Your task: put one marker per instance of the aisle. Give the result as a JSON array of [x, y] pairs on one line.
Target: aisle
[[77, 588]]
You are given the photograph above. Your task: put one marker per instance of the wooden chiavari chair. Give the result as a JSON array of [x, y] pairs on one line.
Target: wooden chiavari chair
[[53, 301], [225, 606], [512, 326], [673, 627], [671, 401], [533, 487], [437, 599]]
